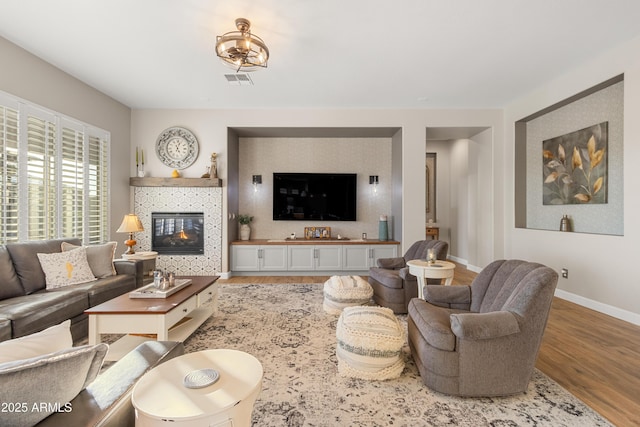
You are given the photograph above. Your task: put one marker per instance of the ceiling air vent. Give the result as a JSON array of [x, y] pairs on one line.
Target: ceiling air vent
[[239, 79]]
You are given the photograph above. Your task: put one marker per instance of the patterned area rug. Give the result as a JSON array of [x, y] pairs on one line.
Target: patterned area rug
[[285, 327]]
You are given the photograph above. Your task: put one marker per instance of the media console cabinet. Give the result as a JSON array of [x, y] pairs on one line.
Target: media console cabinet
[[309, 256]]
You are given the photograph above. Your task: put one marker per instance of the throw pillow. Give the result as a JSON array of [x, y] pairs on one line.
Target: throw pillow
[[50, 340], [100, 257], [46, 384], [66, 268]]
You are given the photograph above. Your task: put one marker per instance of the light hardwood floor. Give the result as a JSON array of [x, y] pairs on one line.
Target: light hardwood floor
[[594, 356]]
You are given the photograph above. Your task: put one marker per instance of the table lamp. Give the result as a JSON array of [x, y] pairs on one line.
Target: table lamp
[[130, 224]]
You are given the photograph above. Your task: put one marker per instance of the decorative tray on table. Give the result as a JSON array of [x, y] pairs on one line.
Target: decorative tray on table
[[150, 291]]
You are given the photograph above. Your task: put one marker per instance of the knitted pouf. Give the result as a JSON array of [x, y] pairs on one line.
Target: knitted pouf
[[345, 291], [369, 343]]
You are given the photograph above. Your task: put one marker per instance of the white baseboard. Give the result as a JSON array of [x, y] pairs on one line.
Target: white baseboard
[[225, 275], [616, 312], [464, 262]]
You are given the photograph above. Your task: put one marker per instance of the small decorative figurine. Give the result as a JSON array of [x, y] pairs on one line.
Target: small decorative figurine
[[213, 172]]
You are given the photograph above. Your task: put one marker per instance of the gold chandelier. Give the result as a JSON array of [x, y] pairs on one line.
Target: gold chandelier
[[242, 50]]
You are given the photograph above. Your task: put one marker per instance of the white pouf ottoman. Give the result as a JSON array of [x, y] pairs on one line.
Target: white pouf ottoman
[[369, 343], [345, 291]]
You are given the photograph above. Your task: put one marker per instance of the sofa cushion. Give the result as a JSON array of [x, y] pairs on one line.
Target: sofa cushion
[[50, 340], [48, 383], [103, 290], [434, 324], [9, 283], [99, 257], [66, 268], [26, 264], [5, 329], [32, 313]]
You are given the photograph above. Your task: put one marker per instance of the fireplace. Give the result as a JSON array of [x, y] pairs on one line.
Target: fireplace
[[177, 233]]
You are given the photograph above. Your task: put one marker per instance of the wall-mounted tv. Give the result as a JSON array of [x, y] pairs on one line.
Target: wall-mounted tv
[[314, 196]]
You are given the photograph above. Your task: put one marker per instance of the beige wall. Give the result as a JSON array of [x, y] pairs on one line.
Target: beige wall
[[211, 127], [602, 271], [28, 77]]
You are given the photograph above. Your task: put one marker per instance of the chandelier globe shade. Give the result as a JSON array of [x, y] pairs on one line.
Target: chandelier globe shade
[[242, 50]]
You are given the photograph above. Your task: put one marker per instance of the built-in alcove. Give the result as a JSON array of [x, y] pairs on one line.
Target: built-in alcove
[[603, 103], [364, 151]]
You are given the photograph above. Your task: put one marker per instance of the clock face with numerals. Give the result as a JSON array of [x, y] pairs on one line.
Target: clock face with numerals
[[177, 147]]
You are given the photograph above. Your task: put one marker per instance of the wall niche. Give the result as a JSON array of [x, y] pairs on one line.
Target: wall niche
[[603, 103]]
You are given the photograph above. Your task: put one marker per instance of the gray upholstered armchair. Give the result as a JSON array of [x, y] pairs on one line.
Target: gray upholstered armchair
[[482, 339], [393, 285]]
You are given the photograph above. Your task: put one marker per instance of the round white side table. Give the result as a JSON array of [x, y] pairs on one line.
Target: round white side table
[[160, 398], [436, 270]]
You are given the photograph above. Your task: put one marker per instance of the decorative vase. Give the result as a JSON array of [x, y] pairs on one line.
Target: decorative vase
[[245, 231], [383, 228]]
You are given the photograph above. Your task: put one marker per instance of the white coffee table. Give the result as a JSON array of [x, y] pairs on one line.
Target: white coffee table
[[161, 399], [173, 318], [436, 270]]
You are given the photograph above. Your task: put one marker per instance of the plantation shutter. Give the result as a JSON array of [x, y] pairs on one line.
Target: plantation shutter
[[97, 180], [9, 126], [54, 175], [41, 196], [71, 202]]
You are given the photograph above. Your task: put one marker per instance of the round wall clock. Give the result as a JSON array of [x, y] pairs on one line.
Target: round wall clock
[[177, 147]]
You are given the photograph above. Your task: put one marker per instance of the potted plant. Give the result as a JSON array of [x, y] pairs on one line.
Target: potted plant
[[245, 229]]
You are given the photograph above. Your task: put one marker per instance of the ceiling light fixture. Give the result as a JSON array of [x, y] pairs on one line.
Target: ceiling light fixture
[[242, 50]]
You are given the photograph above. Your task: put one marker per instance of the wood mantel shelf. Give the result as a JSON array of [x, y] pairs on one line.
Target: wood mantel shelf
[[175, 182]]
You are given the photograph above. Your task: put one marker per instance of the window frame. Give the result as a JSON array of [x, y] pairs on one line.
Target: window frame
[[67, 144]]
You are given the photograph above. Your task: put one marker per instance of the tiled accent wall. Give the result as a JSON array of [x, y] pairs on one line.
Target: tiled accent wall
[[183, 199]]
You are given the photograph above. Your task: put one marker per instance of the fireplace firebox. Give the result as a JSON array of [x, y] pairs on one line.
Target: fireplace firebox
[[177, 233]]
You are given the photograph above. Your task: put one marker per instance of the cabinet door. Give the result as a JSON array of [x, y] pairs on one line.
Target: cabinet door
[[244, 258], [300, 257], [382, 251], [273, 258], [328, 257], [355, 257]]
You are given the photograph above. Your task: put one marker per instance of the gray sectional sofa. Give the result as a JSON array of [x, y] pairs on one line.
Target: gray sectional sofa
[[26, 306]]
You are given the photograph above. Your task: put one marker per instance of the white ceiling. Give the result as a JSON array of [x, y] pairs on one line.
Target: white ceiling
[[324, 53]]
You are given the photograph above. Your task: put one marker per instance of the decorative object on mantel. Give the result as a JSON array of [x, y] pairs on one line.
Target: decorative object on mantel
[[206, 174], [140, 167], [175, 174], [130, 224], [245, 229], [383, 228], [575, 167], [317, 232], [213, 172], [177, 147]]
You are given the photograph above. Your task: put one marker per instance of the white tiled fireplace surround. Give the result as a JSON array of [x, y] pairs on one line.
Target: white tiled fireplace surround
[[183, 199]]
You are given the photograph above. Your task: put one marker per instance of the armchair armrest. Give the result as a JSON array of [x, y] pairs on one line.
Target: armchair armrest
[[391, 263], [405, 275], [484, 326], [448, 296]]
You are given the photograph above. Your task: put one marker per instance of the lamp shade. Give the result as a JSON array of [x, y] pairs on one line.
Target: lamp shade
[[130, 224]]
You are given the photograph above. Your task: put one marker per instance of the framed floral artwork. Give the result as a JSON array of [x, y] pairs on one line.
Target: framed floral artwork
[[574, 167]]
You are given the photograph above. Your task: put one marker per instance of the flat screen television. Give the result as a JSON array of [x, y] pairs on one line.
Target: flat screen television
[[314, 196]]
